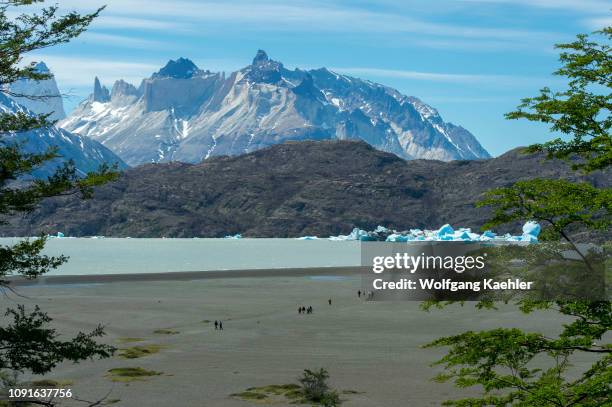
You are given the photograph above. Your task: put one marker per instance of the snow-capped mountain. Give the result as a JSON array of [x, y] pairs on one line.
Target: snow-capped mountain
[[52, 102], [187, 114], [87, 154]]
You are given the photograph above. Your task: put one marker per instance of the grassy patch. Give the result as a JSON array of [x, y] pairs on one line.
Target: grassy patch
[[129, 374], [128, 339], [136, 352], [278, 389], [273, 393], [166, 332], [281, 393], [250, 395], [50, 383]]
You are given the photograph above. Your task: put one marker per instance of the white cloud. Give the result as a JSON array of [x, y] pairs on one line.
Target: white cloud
[[80, 72], [501, 80], [580, 6], [304, 16], [119, 40], [470, 44], [113, 21], [402, 74]]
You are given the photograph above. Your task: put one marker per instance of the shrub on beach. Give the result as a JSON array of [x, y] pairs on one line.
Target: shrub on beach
[[316, 389]]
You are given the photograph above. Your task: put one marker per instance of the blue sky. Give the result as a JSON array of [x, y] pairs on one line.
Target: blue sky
[[471, 59]]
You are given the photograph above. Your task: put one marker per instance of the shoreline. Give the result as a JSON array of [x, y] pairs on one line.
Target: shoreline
[[370, 348], [185, 275]]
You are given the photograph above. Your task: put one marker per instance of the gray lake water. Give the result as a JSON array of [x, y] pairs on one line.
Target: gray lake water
[[120, 255]]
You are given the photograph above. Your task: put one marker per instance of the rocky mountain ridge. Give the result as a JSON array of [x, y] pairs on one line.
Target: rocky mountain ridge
[[184, 113], [288, 190], [87, 154]]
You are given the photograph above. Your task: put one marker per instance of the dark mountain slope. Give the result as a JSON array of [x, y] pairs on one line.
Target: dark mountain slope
[[292, 189]]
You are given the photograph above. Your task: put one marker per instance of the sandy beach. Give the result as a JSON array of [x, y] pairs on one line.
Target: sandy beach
[[371, 349]]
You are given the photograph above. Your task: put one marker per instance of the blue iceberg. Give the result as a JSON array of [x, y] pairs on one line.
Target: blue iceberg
[[531, 230]]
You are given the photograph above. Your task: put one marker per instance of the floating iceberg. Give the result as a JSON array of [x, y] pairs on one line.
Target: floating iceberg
[[531, 230], [236, 236], [487, 235], [396, 237], [379, 234], [308, 238], [445, 230], [529, 238]]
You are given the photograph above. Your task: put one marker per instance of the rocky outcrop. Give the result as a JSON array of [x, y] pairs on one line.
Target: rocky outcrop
[[293, 189]]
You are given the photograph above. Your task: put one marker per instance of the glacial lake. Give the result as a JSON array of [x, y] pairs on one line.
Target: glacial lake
[[121, 255]]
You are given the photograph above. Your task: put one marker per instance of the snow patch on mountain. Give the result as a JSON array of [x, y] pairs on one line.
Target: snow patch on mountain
[[51, 102], [87, 154], [188, 114]]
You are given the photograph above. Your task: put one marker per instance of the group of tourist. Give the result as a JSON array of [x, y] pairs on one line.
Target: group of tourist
[[367, 295], [304, 310]]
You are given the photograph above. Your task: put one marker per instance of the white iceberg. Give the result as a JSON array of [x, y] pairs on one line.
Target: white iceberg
[[236, 236], [356, 234], [396, 237], [531, 230], [445, 230], [381, 229]]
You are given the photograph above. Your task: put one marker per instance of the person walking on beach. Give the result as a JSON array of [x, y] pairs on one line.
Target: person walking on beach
[[329, 301], [359, 293], [216, 324], [220, 326]]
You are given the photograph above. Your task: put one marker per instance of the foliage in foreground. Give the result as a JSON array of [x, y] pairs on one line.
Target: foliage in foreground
[[518, 368], [583, 109], [27, 342]]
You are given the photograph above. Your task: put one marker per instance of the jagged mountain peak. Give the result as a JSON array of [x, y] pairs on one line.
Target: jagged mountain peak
[[122, 88], [202, 115], [49, 99], [100, 93], [182, 68], [260, 58], [87, 154], [41, 67], [263, 69]]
